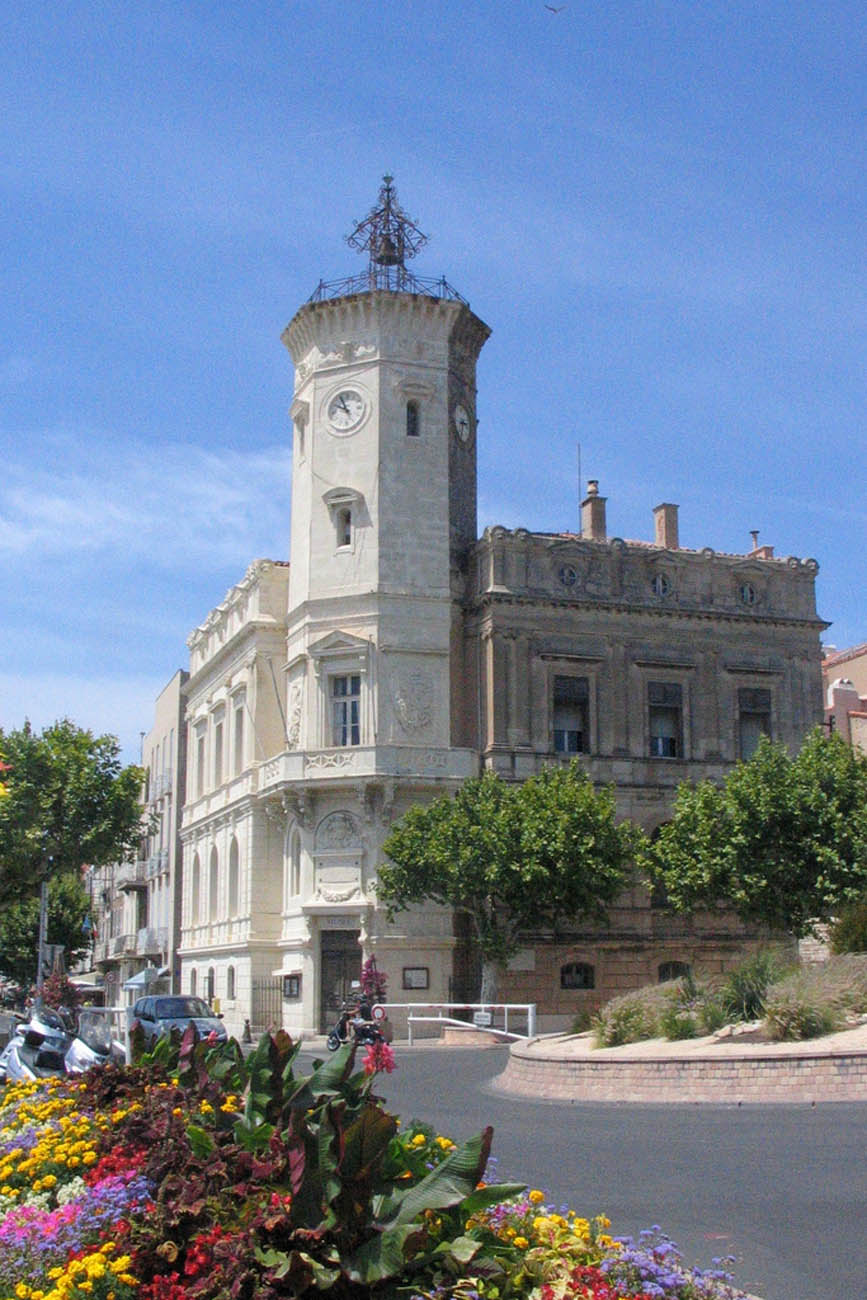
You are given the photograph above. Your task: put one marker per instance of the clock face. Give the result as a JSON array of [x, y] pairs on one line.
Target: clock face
[[345, 410], [462, 423]]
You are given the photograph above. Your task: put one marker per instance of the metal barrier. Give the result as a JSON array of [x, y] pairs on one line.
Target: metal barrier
[[483, 1019]]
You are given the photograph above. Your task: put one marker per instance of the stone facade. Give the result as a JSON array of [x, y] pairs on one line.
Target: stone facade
[[137, 904], [400, 654]]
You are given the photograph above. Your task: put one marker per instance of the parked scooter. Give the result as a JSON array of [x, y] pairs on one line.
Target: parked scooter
[[93, 1044], [48, 1045], [37, 1048], [355, 1021]]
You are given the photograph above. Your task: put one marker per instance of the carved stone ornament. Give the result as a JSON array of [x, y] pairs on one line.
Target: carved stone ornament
[[338, 833], [413, 695], [293, 715]]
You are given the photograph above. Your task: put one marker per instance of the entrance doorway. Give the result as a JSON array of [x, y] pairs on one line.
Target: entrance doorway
[[339, 965]]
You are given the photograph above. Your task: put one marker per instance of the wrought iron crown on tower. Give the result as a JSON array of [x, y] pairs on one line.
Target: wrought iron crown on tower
[[390, 238]]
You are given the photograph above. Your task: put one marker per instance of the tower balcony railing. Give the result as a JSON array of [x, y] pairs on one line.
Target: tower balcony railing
[[368, 761], [387, 279]]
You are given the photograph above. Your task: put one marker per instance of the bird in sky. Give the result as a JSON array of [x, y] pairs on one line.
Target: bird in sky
[[555, 9]]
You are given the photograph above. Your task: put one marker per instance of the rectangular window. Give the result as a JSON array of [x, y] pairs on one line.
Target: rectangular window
[[239, 740], [346, 709], [754, 718], [570, 715], [200, 766], [665, 709], [218, 754]]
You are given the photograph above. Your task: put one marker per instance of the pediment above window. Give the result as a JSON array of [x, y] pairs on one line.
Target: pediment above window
[[338, 645]]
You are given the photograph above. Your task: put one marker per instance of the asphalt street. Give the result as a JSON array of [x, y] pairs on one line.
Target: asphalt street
[[781, 1188]]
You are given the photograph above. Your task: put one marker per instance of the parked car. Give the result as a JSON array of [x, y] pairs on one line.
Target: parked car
[[158, 1016]]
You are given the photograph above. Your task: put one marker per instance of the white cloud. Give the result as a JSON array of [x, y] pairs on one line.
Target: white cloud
[[172, 506]]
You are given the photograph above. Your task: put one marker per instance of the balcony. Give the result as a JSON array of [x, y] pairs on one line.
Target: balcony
[[122, 944], [130, 875], [368, 761], [150, 942]]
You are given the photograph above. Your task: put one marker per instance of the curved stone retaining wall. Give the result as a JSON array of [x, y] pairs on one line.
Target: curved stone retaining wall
[[806, 1077]]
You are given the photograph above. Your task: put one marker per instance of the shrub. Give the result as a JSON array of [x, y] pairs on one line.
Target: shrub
[[632, 1017], [799, 1008], [849, 932], [744, 988]]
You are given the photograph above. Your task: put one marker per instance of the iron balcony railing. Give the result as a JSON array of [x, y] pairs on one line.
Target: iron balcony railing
[[387, 279]]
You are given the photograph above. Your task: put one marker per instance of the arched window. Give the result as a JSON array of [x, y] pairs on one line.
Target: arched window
[[234, 878], [294, 864], [577, 975], [210, 984], [230, 984], [193, 982], [195, 890], [213, 878], [673, 970], [412, 423]]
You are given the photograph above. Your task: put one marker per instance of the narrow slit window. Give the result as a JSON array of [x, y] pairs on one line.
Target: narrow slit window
[[343, 519], [412, 420]]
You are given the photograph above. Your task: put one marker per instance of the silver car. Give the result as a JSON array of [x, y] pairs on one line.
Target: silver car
[[158, 1016]]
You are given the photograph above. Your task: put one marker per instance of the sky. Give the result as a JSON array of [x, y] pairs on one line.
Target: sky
[[658, 208]]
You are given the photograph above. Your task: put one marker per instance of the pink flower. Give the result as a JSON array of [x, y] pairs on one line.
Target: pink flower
[[378, 1058]]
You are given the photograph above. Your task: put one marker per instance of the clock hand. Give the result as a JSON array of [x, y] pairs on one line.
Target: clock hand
[[342, 401]]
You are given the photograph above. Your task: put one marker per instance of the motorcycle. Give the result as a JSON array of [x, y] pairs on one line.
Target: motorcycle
[[93, 1044], [49, 1044], [364, 1030], [37, 1048]]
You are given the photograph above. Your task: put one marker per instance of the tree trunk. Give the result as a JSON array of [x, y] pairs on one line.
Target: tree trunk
[[490, 980]]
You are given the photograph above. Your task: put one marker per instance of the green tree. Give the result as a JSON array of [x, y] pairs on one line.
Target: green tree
[[512, 858], [68, 906], [69, 801], [783, 840]]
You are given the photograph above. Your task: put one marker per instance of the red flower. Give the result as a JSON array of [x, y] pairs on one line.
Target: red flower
[[379, 1058]]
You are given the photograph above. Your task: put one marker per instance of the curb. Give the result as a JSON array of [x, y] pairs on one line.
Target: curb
[[805, 1078]]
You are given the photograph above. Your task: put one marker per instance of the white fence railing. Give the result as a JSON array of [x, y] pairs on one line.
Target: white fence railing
[[487, 1017]]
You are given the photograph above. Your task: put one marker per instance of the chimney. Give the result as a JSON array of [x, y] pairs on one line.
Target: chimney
[[665, 526], [759, 552], [593, 513]]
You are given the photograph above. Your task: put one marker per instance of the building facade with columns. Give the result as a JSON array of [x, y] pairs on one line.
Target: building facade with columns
[[399, 653]]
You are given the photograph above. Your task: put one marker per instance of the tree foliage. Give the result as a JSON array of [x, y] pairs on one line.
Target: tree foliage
[[69, 801], [68, 905], [513, 858], [783, 840]]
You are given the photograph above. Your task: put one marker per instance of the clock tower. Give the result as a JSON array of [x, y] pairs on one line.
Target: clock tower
[[383, 501]]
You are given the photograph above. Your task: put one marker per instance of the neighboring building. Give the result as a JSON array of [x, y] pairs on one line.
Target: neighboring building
[[844, 676], [137, 903], [400, 654]]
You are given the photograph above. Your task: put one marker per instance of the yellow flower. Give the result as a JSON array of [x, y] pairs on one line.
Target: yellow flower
[[536, 1197], [419, 1140], [521, 1242], [205, 1108]]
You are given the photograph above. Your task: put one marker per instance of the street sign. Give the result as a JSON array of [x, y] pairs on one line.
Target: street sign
[[482, 1019]]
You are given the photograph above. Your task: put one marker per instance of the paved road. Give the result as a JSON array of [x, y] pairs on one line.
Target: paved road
[[783, 1188]]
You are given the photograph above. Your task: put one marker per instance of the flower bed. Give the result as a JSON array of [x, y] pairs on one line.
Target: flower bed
[[195, 1174]]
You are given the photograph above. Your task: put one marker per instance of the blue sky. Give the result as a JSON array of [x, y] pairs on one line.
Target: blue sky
[[659, 209]]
